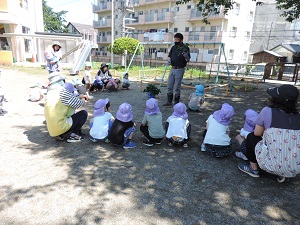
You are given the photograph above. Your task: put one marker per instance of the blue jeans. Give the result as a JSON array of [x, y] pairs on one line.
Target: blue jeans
[[174, 80]]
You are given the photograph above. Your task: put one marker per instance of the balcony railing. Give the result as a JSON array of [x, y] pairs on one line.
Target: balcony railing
[[161, 16], [102, 7], [149, 18], [195, 14], [103, 39], [102, 23]]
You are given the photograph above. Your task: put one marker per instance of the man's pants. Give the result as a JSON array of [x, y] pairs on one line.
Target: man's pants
[[174, 80]]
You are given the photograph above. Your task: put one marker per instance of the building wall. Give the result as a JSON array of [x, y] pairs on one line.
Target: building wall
[[172, 18], [270, 29]]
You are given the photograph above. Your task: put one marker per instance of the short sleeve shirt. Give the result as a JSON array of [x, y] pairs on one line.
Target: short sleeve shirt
[[154, 123], [99, 130], [264, 119]]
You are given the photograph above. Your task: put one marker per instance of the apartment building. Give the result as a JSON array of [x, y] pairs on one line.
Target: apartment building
[[271, 30], [156, 22], [19, 17]]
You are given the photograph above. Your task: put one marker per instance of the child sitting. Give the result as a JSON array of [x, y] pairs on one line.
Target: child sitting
[[102, 121], [123, 127], [113, 84], [98, 84], [125, 82], [80, 89], [249, 125], [196, 99], [178, 127], [152, 127], [216, 140]]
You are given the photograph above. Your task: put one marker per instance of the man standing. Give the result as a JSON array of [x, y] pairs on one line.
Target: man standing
[[179, 55]]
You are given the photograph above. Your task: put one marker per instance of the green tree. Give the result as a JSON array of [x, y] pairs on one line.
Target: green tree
[[54, 21], [291, 8], [124, 43]]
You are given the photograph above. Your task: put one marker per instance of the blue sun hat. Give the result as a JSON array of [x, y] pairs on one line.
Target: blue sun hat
[[199, 90]]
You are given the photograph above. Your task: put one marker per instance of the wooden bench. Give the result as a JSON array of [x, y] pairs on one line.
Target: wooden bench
[[247, 80], [183, 85]]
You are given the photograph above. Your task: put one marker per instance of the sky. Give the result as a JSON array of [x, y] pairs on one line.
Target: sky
[[79, 11]]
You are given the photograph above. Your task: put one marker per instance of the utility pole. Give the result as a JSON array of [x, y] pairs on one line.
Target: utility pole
[[112, 33]]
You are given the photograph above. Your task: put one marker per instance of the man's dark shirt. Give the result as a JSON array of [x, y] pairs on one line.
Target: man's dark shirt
[[176, 55]]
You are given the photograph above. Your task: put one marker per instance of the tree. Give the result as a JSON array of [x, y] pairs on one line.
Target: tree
[[291, 8], [124, 43], [54, 21]]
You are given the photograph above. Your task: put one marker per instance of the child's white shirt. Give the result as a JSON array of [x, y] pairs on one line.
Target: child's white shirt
[[87, 77], [244, 133], [177, 127], [216, 133], [125, 81], [99, 130]]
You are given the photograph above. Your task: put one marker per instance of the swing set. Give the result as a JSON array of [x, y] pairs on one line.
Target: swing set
[[221, 52]]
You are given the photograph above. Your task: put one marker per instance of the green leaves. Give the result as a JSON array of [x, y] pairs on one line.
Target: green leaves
[[125, 43], [291, 8], [54, 21]]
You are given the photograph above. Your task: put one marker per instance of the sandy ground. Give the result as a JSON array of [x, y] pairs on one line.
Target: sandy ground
[[44, 181]]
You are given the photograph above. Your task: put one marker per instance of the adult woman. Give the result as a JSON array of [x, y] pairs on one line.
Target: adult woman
[[274, 145], [53, 55], [62, 122], [104, 74]]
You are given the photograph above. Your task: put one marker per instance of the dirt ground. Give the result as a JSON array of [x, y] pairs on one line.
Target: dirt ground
[[44, 181]]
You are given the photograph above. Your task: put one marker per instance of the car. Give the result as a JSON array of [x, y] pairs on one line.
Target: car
[[258, 70], [234, 69]]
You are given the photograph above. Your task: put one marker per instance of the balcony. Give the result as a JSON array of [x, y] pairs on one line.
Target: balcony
[[210, 36], [104, 39], [105, 6], [155, 37], [102, 24], [154, 18], [148, 2], [197, 15]]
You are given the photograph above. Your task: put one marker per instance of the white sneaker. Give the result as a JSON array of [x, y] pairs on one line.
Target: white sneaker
[[241, 156], [203, 148], [185, 145]]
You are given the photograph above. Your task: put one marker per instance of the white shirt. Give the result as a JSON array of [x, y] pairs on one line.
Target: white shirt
[[87, 77], [216, 133], [177, 127], [99, 130]]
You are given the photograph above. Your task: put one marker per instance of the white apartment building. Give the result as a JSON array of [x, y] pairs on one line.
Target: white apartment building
[[156, 21], [19, 17]]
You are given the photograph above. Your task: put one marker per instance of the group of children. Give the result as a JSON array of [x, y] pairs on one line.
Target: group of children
[[103, 80]]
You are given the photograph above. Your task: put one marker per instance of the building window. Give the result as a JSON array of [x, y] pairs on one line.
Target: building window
[[108, 17], [141, 12], [233, 32], [247, 36], [236, 9], [245, 53], [25, 30], [116, 33], [202, 29], [177, 9], [230, 56], [250, 16], [188, 7], [187, 29], [116, 16], [175, 29]]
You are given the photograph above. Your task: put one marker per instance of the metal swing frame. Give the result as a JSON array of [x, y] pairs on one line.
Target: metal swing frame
[[221, 51]]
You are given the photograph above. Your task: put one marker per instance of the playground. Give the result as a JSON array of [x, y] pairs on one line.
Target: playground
[[44, 181]]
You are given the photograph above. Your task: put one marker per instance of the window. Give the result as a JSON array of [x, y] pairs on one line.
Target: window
[[202, 29], [116, 16], [188, 7], [175, 29], [230, 56], [244, 58], [25, 30], [187, 29], [108, 17], [177, 9], [141, 12], [250, 16], [233, 32], [247, 36], [116, 33], [236, 9]]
